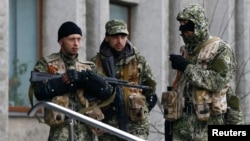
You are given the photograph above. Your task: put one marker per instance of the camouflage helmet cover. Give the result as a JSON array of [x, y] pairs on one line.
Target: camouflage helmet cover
[[116, 27], [196, 14]]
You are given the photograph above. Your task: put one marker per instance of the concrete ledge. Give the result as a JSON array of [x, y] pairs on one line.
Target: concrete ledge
[[130, 2]]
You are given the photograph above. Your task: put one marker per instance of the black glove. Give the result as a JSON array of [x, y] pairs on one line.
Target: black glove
[[53, 87], [73, 75], [94, 84], [178, 62]]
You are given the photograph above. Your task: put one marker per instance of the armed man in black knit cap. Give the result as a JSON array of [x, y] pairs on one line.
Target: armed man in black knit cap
[[78, 80]]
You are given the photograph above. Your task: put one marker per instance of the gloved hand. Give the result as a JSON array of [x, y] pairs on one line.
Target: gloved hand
[[92, 83], [51, 88], [73, 75], [178, 62]]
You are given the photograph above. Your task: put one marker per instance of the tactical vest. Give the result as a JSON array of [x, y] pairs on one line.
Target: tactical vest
[[206, 102], [56, 65], [135, 101]]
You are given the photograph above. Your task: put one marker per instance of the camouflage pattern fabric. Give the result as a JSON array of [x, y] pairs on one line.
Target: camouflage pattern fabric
[[220, 70], [116, 27], [138, 128], [234, 115], [61, 133], [191, 129]]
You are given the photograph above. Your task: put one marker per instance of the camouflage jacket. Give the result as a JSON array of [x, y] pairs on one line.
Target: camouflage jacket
[[57, 63], [221, 66], [129, 54]]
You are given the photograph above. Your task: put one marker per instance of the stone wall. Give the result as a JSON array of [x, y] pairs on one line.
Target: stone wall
[[4, 71]]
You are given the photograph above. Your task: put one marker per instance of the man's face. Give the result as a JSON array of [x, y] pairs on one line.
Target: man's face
[[186, 33], [117, 42], [70, 44]]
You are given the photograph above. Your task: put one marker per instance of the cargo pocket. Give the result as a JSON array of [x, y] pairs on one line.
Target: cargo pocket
[[172, 104], [219, 103], [52, 117], [202, 100], [96, 114], [136, 104]]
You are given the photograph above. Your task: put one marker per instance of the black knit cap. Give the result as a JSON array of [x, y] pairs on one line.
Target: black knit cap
[[67, 29]]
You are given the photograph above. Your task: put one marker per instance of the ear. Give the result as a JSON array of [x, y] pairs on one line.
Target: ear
[[60, 42]]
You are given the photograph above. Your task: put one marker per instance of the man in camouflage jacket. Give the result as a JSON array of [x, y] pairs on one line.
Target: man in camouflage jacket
[[69, 90], [210, 75], [118, 58]]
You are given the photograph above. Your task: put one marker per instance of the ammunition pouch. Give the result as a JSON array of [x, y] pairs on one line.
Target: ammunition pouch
[[207, 103], [201, 101], [136, 104], [172, 104], [96, 114], [219, 103], [54, 118]]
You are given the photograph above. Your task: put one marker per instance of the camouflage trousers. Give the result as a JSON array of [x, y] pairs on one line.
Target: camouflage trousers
[[190, 129], [61, 133], [138, 128]]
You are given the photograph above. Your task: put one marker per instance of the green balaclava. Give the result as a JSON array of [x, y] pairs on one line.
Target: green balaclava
[[196, 14]]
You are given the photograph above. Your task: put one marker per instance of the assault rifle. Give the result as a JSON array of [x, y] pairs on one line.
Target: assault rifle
[[41, 76], [119, 102]]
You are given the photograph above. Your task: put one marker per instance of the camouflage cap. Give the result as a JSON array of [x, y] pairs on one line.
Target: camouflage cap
[[115, 27]]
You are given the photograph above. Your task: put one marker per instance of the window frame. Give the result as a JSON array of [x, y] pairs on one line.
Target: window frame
[[20, 110]]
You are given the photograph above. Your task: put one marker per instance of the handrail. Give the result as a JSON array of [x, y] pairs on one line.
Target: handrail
[[85, 119]]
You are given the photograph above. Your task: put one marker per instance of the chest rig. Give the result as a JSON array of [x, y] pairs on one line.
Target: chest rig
[[208, 103], [134, 100], [76, 101]]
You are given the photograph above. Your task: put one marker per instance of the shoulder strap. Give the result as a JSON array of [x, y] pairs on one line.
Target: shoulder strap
[[31, 93], [177, 77], [102, 104], [210, 40]]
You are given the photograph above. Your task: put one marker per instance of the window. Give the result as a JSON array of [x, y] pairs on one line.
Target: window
[[120, 12], [24, 50]]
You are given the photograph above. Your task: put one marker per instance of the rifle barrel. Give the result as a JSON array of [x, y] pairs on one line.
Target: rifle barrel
[[115, 81]]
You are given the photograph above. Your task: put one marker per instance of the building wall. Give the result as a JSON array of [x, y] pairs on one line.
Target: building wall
[[154, 32], [4, 72]]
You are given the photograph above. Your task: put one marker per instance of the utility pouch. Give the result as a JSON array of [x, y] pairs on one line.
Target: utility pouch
[[54, 118], [219, 103], [201, 101], [172, 104], [136, 104], [97, 114]]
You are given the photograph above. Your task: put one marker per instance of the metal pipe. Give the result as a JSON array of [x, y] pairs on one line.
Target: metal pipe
[[85, 119], [71, 129]]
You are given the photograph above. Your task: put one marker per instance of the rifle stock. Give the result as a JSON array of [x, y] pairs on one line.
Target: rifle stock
[[42, 76]]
